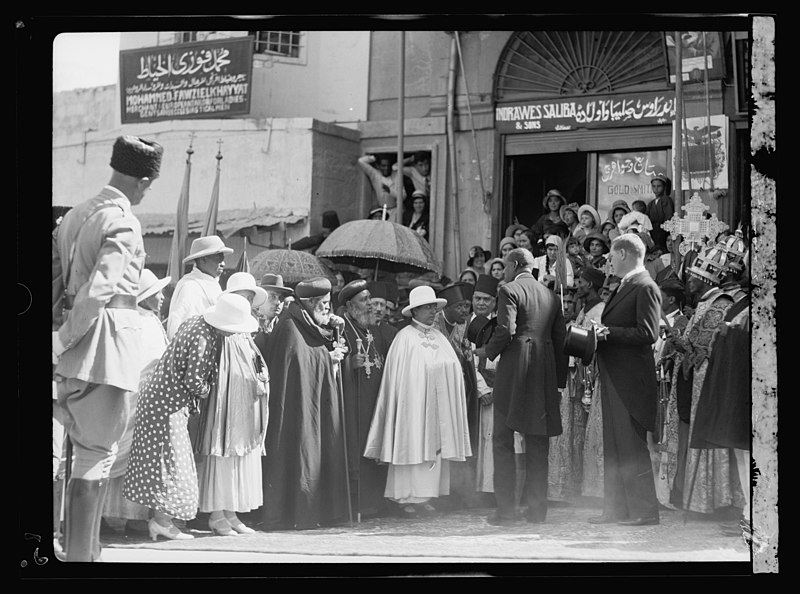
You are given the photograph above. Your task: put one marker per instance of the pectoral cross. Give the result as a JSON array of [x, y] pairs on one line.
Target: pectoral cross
[[368, 365]]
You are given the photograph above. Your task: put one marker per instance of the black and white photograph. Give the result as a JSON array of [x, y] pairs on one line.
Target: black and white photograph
[[342, 296]]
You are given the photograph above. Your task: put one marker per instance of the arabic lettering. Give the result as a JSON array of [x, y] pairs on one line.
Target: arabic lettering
[[189, 62]]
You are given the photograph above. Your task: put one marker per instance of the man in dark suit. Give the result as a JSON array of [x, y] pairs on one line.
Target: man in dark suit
[[629, 391], [531, 373]]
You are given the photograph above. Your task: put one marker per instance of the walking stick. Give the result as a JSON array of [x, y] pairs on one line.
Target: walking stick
[[338, 373]]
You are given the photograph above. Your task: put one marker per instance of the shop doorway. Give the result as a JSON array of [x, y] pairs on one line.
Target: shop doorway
[[531, 176]]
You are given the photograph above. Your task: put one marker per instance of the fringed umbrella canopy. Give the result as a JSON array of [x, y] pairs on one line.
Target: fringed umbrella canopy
[[366, 243], [293, 265]]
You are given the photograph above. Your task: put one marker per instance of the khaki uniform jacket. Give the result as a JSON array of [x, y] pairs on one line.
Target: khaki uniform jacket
[[98, 253]]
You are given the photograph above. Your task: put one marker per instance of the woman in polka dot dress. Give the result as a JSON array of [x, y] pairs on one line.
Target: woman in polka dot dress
[[161, 472]]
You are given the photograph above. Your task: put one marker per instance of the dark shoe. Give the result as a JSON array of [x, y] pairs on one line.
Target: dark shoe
[[603, 519], [639, 522], [498, 520]]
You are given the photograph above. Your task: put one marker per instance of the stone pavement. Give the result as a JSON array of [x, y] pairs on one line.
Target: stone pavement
[[461, 539]]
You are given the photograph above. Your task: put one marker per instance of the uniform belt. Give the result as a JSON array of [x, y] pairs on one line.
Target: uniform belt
[[116, 302]]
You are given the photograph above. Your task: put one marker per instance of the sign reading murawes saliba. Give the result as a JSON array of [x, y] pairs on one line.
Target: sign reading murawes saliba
[[595, 111], [207, 79]]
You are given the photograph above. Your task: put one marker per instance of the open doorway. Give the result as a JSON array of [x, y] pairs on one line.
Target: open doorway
[[531, 176], [416, 167]]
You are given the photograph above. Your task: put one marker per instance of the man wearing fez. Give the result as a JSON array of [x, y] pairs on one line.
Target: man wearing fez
[[362, 370], [484, 306], [531, 374], [305, 474], [420, 421], [330, 221], [452, 322], [98, 256]]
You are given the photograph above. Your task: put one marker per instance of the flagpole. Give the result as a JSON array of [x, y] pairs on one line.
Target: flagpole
[[400, 128], [678, 130], [210, 227], [175, 265]]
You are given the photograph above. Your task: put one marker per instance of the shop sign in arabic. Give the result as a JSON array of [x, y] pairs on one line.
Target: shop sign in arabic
[[627, 176], [210, 79], [641, 109]]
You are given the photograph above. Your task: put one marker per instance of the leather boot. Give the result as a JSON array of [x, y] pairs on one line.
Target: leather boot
[[81, 526], [98, 519], [58, 528]]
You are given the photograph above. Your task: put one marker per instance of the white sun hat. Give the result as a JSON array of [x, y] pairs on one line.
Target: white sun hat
[[231, 313], [206, 246], [244, 281], [150, 284], [422, 295]]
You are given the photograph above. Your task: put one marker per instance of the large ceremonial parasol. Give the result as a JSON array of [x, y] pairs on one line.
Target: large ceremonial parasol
[[368, 243], [293, 265]]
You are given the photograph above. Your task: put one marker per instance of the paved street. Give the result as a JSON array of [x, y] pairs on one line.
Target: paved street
[[460, 537]]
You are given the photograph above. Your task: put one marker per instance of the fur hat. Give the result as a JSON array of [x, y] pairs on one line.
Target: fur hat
[[136, 157]]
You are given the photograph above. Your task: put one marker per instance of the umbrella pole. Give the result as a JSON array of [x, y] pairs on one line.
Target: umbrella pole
[[376, 270]]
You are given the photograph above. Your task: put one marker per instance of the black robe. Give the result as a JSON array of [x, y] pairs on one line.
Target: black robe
[[367, 477], [305, 482]]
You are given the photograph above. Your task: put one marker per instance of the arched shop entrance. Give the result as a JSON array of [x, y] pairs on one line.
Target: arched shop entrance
[[588, 113]]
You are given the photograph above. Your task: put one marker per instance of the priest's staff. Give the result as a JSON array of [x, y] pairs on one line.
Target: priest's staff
[[338, 372]]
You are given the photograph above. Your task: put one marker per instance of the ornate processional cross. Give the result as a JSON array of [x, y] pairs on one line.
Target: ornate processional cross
[[694, 226]]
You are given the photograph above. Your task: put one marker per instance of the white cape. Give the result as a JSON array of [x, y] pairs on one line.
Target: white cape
[[421, 407]]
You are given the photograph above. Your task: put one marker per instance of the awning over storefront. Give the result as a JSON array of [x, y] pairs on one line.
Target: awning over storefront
[[229, 222]]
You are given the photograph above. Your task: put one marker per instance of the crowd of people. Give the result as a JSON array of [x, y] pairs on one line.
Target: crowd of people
[[567, 366]]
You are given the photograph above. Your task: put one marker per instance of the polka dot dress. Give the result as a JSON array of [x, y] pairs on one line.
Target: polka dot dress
[[161, 471]]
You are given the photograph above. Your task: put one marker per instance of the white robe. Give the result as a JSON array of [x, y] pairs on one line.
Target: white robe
[[193, 295], [420, 415]]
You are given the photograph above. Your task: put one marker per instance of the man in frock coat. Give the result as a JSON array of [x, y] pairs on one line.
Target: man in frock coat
[[531, 374], [629, 391]]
